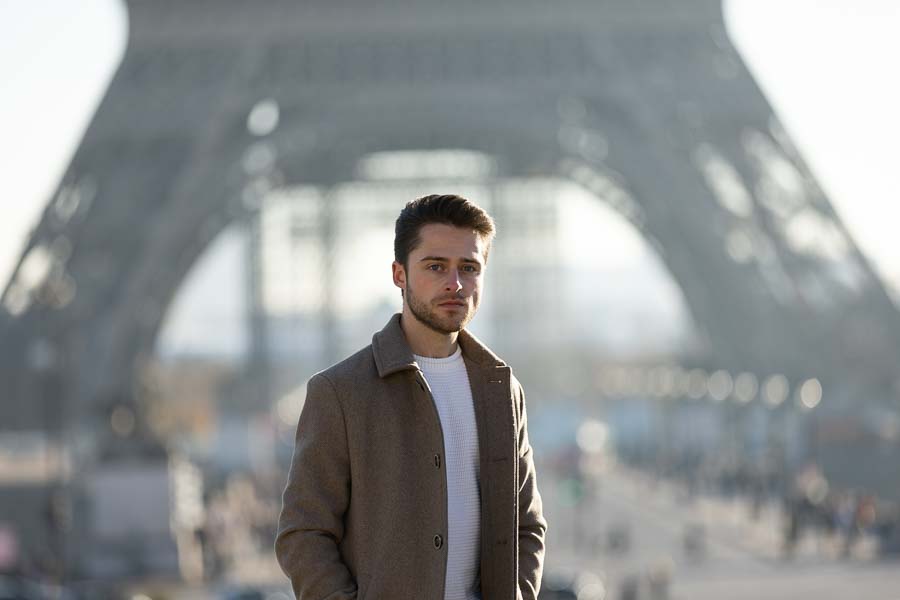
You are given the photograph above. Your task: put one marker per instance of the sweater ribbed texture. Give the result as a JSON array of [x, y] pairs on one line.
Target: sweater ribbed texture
[[449, 383]]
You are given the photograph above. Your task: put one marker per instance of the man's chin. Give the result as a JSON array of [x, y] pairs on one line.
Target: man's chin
[[447, 326], [441, 323]]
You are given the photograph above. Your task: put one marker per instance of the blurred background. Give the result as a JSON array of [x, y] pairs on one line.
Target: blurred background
[[696, 276]]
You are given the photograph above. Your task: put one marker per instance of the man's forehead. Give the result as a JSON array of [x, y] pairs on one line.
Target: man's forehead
[[449, 242]]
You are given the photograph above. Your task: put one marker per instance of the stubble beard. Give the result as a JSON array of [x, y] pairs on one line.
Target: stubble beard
[[430, 319]]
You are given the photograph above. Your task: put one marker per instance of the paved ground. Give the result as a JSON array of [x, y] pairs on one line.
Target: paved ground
[[742, 556]]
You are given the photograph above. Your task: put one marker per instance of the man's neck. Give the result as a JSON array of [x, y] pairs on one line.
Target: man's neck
[[425, 341]]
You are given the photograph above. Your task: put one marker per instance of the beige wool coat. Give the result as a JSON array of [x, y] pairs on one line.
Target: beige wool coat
[[365, 506]]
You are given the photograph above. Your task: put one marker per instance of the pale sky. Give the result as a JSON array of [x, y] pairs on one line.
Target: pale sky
[[56, 59], [826, 66]]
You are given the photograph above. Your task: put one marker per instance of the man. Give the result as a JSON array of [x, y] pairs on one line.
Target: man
[[412, 476]]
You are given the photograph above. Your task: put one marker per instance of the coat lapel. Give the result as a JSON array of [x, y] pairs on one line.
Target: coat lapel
[[497, 435]]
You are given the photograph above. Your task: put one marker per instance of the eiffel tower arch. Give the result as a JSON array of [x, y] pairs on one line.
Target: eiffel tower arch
[[645, 103]]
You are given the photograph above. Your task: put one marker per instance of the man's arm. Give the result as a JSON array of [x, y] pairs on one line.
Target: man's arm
[[532, 525], [315, 499]]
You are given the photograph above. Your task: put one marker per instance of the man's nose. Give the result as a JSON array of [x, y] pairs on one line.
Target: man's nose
[[454, 284]]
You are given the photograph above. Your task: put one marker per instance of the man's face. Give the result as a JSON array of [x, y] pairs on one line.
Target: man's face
[[444, 276]]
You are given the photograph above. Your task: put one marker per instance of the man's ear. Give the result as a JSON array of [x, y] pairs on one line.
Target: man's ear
[[399, 273]]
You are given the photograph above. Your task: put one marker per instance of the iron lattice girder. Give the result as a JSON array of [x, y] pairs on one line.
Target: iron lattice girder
[[620, 96]]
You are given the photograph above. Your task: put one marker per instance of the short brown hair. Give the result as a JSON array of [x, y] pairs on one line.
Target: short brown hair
[[448, 209]]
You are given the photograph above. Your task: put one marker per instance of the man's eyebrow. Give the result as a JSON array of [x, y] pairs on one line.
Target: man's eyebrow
[[445, 259]]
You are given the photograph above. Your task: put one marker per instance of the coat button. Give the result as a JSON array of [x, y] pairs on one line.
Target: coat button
[[437, 461], [438, 542]]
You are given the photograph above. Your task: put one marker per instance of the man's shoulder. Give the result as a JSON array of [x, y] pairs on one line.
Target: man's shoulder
[[356, 369]]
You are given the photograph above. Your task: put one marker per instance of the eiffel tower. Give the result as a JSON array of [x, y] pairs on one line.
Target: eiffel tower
[[645, 103]]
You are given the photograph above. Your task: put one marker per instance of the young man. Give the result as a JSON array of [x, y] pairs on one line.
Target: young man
[[412, 476]]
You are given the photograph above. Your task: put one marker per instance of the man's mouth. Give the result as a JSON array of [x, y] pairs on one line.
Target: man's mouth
[[459, 303]]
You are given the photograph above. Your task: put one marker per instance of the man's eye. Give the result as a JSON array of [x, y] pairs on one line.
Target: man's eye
[[434, 267], [470, 269]]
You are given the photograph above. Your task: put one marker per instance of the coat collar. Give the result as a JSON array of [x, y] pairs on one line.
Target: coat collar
[[393, 354]]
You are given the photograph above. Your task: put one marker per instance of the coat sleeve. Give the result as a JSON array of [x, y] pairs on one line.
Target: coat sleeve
[[315, 500], [532, 524]]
